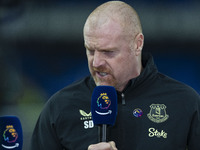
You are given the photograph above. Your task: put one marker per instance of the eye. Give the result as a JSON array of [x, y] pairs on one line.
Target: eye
[[109, 53]]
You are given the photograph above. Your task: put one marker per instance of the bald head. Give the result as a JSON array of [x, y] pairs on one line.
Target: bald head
[[118, 12]]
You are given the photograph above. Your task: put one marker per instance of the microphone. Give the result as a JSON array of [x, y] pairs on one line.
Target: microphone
[[104, 108], [11, 136]]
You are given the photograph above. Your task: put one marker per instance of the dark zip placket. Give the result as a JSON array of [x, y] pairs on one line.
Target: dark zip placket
[[125, 89], [123, 99], [122, 111]]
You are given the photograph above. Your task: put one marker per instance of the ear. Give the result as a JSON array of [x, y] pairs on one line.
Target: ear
[[139, 42]]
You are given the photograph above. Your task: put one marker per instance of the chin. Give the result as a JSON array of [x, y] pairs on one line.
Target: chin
[[108, 81], [98, 83]]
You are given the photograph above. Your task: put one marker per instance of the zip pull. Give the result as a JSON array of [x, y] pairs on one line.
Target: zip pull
[[123, 99]]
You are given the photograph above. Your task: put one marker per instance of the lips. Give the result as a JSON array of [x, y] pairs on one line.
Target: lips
[[103, 77], [102, 74]]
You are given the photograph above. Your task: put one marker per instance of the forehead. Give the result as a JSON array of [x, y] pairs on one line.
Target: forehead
[[104, 34], [102, 24]]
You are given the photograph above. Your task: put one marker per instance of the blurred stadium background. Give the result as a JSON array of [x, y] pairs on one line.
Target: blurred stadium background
[[41, 48]]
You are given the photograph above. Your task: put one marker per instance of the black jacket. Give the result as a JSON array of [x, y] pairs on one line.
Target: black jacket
[[154, 112]]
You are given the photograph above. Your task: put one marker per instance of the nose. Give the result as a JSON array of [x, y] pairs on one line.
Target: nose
[[98, 59]]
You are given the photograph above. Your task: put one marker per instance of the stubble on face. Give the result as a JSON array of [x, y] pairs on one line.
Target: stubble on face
[[102, 75]]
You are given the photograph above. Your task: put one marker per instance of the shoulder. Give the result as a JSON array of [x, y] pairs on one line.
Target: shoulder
[[72, 96], [79, 88], [178, 88]]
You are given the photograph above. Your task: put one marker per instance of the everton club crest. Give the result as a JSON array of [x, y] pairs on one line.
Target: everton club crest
[[158, 113]]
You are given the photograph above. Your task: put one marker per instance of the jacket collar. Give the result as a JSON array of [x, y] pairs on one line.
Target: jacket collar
[[149, 71]]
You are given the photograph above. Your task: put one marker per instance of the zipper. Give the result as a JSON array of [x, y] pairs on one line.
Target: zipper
[[123, 99]]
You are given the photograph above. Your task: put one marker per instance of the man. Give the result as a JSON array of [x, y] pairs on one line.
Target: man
[[154, 111]]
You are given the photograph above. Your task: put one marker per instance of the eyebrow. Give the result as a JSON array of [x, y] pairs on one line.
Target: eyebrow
[[108, 49], [86, 46]]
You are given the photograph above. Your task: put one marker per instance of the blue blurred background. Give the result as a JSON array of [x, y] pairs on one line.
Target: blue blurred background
[[42, 51]]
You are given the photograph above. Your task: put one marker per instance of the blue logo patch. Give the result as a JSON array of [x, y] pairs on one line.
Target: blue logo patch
[[137, 112]]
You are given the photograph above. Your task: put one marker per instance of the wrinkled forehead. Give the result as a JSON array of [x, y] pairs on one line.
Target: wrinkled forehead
[[102, 25], [107, 34]]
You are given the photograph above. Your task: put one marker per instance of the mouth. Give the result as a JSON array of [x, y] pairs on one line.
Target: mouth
[[102, 74], [103, 77]]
